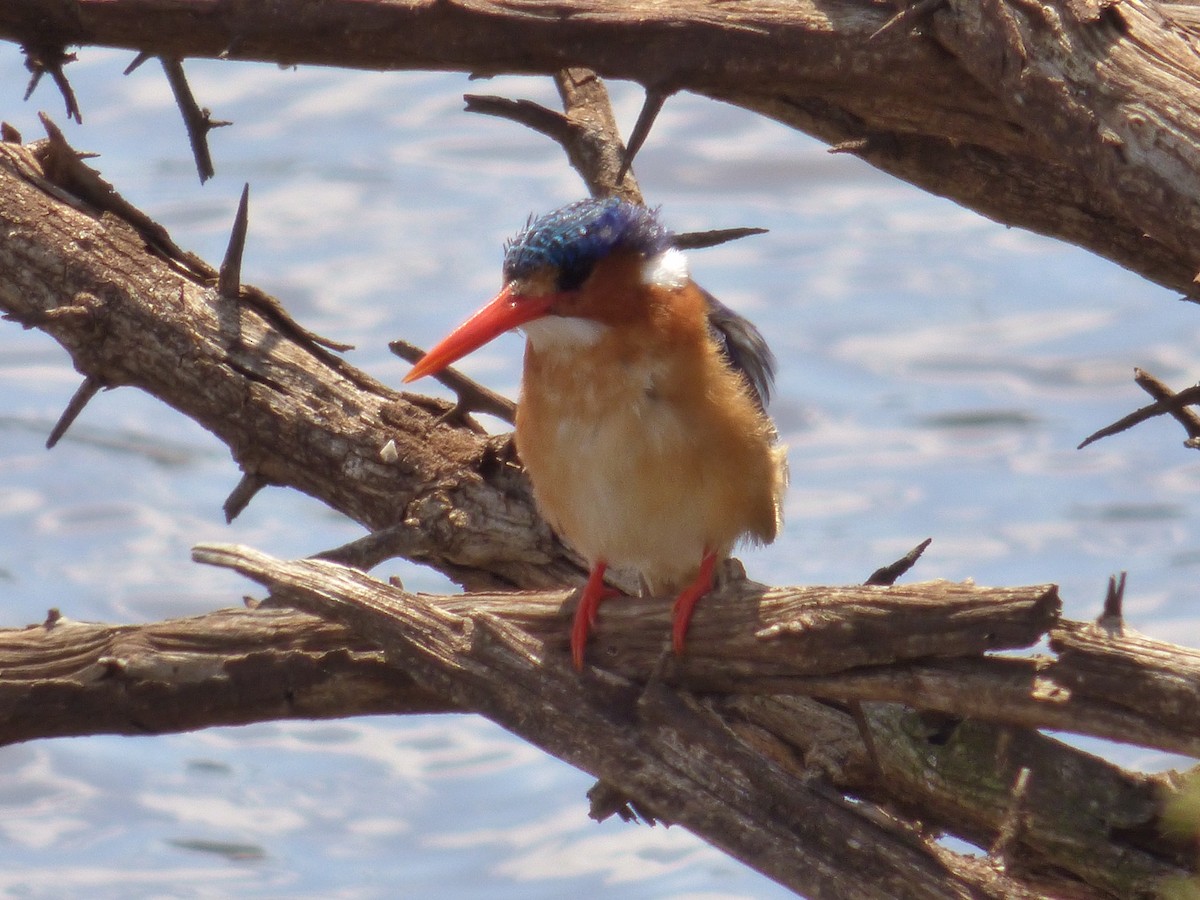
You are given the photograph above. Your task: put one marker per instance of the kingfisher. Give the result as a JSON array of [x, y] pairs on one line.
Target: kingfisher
[[641, 420]]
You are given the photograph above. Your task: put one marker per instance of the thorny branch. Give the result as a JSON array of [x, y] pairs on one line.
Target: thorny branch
[[1167, 402], [1069, 118], [197, 121], [50, 58]]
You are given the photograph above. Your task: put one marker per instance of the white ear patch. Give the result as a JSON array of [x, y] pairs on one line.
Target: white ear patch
[[668, 269], [562, 332]]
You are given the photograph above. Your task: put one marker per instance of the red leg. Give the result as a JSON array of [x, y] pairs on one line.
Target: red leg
[[686, 602], [585, 613]]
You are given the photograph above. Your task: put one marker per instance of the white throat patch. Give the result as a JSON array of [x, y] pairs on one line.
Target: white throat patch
[[668, 269], [563, 332]]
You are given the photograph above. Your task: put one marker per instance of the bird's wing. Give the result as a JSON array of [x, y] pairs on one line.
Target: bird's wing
[[743, 346]]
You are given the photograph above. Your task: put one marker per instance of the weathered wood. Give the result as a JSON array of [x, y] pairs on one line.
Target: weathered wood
[[674, 756], [1124, 689], [63, 677], [665, 748], [1080, 813], [747, 631], [1129, 672], [1029, 692], [1073, 119], [66, 678]]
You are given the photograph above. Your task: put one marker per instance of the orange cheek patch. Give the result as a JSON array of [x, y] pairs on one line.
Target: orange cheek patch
[[613, 293]]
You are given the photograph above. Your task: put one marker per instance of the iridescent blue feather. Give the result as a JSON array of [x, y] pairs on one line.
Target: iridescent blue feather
[[572, 239]]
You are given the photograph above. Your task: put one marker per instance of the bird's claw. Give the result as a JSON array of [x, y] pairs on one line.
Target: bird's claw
[[594, 592], [685, 603]]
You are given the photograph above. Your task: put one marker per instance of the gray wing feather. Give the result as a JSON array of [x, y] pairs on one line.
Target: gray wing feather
[[744, 347]]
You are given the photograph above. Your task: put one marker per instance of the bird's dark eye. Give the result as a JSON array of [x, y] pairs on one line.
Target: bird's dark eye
[[573, 273]]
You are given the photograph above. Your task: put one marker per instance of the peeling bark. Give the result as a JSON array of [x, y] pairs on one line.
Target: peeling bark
[[1073, 119]]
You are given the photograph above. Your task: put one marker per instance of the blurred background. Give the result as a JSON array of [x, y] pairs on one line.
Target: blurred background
[[936, 373]]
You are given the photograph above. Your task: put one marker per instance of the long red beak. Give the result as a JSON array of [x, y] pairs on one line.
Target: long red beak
[[507, 311]]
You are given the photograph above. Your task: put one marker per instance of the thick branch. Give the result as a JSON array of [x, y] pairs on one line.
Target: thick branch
[[1130, 673], [66, 678], [666, 749], [647, 744], [1036, 113], [133, 316], [184, 674], [743, 640]]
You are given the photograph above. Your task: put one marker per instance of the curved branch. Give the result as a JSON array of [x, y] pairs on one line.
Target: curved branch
[[1035, 113], [304, 417]]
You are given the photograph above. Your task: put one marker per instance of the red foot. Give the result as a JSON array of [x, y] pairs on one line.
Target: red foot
[[585, 613], [686, 602]]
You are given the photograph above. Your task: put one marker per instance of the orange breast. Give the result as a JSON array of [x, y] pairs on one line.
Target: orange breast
[[645, 450]]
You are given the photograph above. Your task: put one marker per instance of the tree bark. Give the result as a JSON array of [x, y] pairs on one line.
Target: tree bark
[[64, 678], [1074, 119], [680, 760], [230, 667]]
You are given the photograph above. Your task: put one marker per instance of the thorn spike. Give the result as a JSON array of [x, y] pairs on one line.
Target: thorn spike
[[34, 78], [86, 391], [888, 574], [1112, 619], [137, 61], [699, 240], [229, 282], [239, 498], [651, 107]]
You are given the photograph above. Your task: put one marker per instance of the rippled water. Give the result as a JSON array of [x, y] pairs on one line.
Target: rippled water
[[937, 371]]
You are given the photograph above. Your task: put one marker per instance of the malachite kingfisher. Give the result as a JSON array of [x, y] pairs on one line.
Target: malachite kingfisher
[[641, 417]]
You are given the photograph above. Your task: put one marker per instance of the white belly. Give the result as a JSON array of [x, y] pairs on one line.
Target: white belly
[[624, 496]]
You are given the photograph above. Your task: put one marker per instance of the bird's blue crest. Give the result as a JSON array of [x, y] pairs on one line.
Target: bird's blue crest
[[573, 238]]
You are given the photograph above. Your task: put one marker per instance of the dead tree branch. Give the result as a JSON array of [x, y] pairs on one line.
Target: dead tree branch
[[668, 749], [1077, 120], [681, 761], [66, 678], [1167, 402], [197, 121]]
